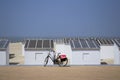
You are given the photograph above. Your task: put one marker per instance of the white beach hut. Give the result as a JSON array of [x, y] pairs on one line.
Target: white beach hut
[[85, 51], [36, 51], [4, 55]]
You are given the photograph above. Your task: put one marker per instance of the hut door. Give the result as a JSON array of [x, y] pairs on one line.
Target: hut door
[[86, 57], [39, 58]]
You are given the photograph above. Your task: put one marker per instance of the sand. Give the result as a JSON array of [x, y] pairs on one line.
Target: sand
[[60, 73]]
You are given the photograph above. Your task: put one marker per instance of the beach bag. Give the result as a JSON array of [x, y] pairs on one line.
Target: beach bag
[[62, 56]]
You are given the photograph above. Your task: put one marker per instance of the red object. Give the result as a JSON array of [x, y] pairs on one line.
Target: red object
[[63, 56]]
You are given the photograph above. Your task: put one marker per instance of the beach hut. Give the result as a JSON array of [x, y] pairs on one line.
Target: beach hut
[[4, 55], [36, 51], [117, 51], [107, 50], [85, 51], [62, 46]]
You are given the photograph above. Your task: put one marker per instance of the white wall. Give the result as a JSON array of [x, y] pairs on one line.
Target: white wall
[[36, 58], [107, 52], [7, 56], [116, 55], [86, 57], [23, 49], [3, 58], [64, 49]]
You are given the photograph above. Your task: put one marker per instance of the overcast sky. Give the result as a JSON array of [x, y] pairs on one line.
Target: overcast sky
[[59, 18]]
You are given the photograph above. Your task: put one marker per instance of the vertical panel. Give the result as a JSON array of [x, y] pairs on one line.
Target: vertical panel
[[26, 44], [46, 44], [96, 43], [77, 44], [117, 41], [52, 44], [91, 44], [83, 43], [71, 43], [39, 44], [6, 44], [32, 44], [2, 43]]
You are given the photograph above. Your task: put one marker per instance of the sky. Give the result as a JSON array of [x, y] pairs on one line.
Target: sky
[[59, 18]]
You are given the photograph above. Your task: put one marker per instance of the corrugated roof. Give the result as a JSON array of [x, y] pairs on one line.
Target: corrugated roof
[[83, 43], [105, 41], [39, 44], [77, 43]]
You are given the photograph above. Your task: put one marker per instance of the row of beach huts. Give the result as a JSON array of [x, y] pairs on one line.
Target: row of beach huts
[[80, 51]]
